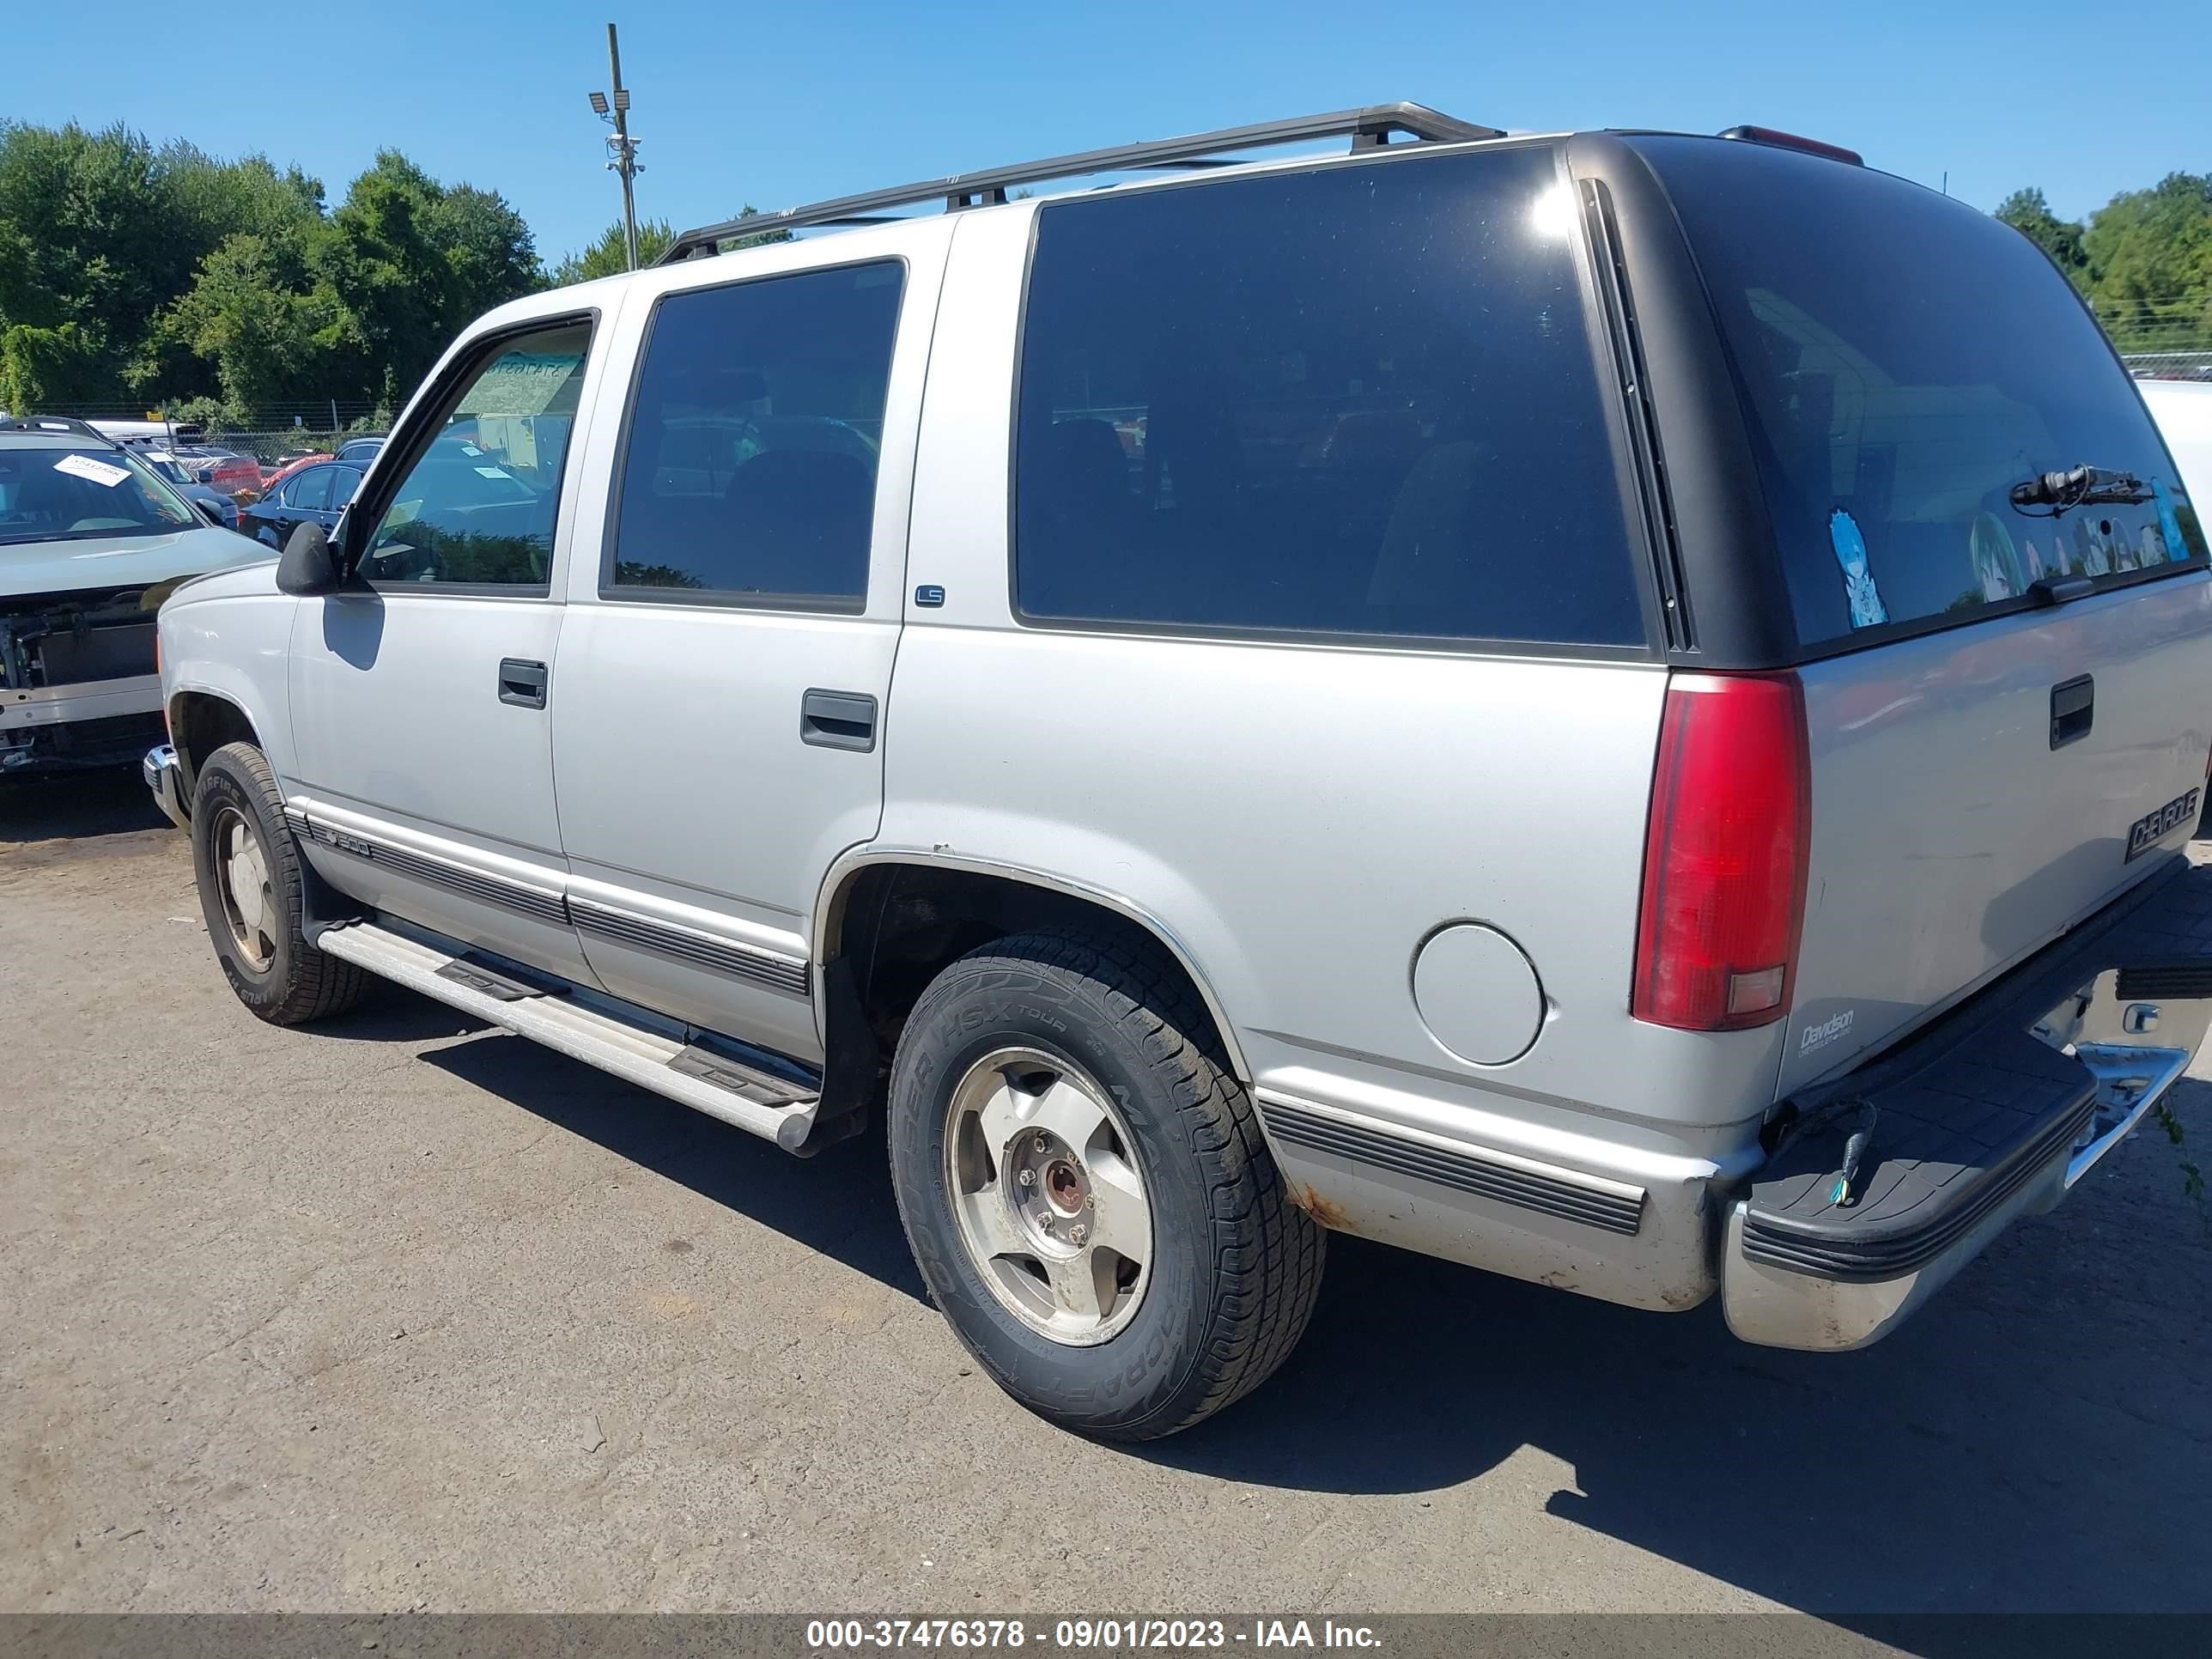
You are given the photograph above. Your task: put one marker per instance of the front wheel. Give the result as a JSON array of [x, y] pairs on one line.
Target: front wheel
[[1086, 1191], [252, 893]]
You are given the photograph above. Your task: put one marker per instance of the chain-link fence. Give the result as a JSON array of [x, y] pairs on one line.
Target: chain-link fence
[[2169, 365], [281, 443]]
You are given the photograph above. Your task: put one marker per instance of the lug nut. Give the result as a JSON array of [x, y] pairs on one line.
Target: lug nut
[[1028, 1177], [1077, 1233]]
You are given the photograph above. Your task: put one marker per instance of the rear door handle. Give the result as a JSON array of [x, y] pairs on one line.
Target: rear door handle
[[522, 684], [838, 720], [2073, 710]]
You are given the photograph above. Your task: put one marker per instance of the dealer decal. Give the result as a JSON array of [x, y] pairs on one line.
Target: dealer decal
[[1818, 1037]]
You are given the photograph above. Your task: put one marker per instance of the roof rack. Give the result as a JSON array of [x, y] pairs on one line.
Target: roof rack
[[1368, 128], [59, 426]]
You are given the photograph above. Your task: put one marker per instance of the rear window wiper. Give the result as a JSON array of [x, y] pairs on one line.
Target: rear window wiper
[[2081, 486]]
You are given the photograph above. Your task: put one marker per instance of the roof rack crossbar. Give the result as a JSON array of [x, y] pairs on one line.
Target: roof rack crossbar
[[1368, 128]]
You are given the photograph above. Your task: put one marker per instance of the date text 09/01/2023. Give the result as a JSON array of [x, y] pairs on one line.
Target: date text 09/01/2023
[[832, 1635]]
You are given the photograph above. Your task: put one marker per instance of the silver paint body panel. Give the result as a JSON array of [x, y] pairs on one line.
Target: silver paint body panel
[[1268, 810]]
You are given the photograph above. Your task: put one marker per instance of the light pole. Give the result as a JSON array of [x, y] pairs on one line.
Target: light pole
[[621, 148]]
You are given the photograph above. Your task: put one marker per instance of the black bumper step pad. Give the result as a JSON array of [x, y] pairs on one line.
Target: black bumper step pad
[[1971, 1110]]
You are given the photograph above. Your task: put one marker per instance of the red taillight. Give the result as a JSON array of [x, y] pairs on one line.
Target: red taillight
[[1724, 854]]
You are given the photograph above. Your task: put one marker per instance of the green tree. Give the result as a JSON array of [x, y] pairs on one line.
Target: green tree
[[403, 263], [2150, 251], [2028, 213], [271, 336], [606, 255]]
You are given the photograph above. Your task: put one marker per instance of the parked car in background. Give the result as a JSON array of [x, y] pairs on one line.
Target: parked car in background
[[272, 477], [1626, 733], [236, 476], [362, 450], [2183, 409], [91, 538], [315, 494], [221, 507]]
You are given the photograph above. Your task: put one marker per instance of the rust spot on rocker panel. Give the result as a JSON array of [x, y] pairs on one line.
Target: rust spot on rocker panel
[[1325, 1211]]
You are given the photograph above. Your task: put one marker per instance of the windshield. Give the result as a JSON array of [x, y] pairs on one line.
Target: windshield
[[1904, 361], [50, 493]]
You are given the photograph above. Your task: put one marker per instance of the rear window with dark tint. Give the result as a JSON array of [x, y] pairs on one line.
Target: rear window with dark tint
[[749, 472], [1903, 362], [1359, 401]]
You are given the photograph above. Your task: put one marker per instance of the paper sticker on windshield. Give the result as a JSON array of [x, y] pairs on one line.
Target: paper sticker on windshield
[[491, 472], [100, 472], [1866, 608]]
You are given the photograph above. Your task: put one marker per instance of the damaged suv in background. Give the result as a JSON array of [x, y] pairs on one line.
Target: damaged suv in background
[[91, 542]]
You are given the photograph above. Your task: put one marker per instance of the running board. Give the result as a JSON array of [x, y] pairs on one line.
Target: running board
[[743, 1096]]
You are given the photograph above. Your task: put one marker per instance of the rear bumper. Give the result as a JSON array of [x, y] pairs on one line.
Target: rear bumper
[[166, 780], [1992, 1114]]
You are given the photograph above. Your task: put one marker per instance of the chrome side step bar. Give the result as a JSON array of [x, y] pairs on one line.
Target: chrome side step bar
[[588, 1030]]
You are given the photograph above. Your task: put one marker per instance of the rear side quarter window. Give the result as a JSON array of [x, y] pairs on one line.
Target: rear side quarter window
[[1358, 401]]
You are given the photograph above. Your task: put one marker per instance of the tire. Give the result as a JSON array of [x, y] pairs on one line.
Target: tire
[[1232, 1268], [261, 945]]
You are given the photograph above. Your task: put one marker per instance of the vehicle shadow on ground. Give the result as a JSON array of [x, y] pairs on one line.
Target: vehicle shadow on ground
[[838, 1202], [2017, 1447], [76, 805], [2023, 1444]]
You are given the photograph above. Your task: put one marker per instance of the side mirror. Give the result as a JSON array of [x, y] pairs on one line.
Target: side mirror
[[209, 511], [309, 564], [205, 475]]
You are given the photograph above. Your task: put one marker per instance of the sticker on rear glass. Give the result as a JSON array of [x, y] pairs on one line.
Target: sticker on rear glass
[[1866, 608], [2169, 524], [100, 472], [1997, 565]]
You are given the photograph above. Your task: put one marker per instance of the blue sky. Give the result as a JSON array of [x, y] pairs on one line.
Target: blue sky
[[779, 103]]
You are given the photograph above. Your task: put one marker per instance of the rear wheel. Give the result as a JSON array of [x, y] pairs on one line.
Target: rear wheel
[[253, 890], [1086, 1191]]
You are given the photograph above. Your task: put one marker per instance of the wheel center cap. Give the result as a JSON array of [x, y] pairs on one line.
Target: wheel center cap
[[1063, 1184]]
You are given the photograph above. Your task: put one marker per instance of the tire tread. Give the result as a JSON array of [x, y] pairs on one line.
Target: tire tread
[[322, 985], [1268, 1252]]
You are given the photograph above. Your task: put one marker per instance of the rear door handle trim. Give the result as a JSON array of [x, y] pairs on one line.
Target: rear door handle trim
[[2073, 710], [522, 682], [838, 720]]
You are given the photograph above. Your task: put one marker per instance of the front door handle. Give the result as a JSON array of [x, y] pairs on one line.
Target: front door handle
[[522, 684], [838, 720]]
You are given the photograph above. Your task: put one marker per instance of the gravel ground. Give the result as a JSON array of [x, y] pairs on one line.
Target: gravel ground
[[405, 1313]]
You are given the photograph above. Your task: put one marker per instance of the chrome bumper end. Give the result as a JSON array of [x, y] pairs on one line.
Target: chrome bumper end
[[166, 779], [2134, 1049]]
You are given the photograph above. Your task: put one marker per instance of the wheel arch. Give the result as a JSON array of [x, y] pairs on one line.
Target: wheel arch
[[976, 899], [200, 722]]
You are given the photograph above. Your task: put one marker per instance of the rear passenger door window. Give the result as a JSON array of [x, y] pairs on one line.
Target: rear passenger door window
[[1359, 400], [310, 491], [749, 473]]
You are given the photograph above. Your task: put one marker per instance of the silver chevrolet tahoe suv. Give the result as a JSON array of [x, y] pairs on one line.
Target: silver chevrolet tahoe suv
[[1620, 707]]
